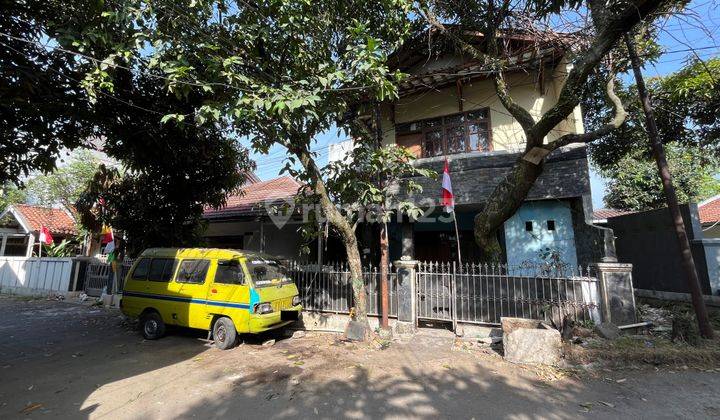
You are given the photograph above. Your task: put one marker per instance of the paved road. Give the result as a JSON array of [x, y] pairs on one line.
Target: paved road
[[64, 360]]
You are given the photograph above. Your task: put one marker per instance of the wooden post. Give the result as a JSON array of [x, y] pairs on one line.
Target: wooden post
[[688, 263]]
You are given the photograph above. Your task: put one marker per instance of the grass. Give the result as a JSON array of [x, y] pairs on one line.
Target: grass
[[656, 351]]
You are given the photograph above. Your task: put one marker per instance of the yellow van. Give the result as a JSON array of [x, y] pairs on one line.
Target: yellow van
[[222, 291]]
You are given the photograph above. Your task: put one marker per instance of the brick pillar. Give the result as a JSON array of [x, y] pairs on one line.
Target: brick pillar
[[407, 295], [617, 296]]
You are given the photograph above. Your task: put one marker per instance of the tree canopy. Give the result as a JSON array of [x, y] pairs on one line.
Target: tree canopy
[[687, 107], [66, 183], [48, 104]]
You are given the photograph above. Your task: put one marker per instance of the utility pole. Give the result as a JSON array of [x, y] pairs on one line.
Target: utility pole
[[688, 263]]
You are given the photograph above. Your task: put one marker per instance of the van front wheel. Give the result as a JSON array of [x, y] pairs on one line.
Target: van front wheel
[[152, 326], [224, 333]]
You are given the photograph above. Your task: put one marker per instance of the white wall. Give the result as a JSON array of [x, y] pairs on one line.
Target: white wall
[[35, 276]]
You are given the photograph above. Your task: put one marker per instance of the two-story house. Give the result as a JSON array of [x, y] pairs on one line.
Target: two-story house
[[448, 108]]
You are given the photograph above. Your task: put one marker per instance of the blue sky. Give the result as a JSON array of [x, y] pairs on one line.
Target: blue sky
[[699, 29]]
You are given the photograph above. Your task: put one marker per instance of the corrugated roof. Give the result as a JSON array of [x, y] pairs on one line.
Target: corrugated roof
[[58, 221], [252, 197]]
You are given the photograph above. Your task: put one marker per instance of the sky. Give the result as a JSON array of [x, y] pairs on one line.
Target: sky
[[698, 29]]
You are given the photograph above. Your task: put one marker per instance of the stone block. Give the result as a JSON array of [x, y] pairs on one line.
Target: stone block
[[530, 341], [355, 331], [607, 330]]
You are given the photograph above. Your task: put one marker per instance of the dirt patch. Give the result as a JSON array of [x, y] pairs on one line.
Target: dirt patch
[[671, 341]]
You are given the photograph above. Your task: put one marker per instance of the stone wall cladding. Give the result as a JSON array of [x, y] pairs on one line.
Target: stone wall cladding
[[474, 176]]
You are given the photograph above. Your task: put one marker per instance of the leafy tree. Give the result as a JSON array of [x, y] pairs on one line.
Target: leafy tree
[[173, 171], [687, 105], [634, 184], [10, 194], [47, 106], [65, 184], [42, 110], [279, 72], [606, 22]]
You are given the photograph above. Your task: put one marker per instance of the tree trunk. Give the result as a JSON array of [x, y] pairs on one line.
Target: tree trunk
[[384, 263], [347, 235], [688, 262], [502, 203]]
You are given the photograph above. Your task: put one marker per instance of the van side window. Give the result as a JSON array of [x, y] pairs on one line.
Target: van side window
[[141, 269], [161, 269], [192, 271], [229, 273]]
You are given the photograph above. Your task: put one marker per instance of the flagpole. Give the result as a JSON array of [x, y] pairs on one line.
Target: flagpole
[[457, 239]]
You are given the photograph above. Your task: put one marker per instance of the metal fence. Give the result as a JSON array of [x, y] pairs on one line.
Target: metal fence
[[329, 289], [97, 276], [482, 293]]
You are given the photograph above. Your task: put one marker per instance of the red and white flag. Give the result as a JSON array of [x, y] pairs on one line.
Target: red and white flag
[[45, 236], [448, 199]]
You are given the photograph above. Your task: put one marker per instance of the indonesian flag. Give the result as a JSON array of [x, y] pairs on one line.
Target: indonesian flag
[[448, 199], [107, 235], [45, 236]]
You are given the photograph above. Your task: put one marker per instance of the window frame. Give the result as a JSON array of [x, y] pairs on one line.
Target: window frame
[[177, 277], [447, 126], [548, 224], [147, 270], [172, 272], [240, 267]]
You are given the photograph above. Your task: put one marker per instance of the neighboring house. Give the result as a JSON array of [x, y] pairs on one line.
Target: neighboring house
[[448, 107], [20, 225], [253, 219], [709, 211]]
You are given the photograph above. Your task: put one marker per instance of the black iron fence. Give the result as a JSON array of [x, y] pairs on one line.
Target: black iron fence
[[483, 293], [328, 288]]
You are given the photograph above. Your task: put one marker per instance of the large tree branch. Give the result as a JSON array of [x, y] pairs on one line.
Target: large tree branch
[[612, 29], [494, 62], [617, 121]]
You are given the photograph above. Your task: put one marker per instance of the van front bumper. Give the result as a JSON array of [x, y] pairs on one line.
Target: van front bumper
[[273, 320]]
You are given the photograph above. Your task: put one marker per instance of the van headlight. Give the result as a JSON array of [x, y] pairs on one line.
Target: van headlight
[[296, 301], [263, 308]]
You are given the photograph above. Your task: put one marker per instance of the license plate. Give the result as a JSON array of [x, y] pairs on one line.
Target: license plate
[[289, 315]]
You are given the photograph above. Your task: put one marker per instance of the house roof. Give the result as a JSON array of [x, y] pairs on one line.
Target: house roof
[[523, 51], [710, 210], [58, 221], [601, 215], [252, 198]]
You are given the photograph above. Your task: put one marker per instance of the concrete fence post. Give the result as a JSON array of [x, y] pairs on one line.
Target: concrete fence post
[[407, 295], [617, 296]]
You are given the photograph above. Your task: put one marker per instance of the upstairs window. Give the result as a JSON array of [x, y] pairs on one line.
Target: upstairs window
[[457, 133]]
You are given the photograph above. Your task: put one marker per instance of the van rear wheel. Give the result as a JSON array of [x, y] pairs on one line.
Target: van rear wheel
[[224, 333], [152, 325]]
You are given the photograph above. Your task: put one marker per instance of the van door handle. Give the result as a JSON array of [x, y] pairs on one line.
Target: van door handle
[[213, 291]]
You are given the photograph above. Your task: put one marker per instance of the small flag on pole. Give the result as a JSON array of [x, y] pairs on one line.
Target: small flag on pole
[[107, 235], [45, 236], [448, 199]]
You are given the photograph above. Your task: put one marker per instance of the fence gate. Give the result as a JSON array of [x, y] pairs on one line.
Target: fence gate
[[97, 276], [435, 292], [482, 293]]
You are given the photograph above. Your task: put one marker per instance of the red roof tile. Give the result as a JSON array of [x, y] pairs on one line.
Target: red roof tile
[[252, 197], [58, 221], [710, 210], [602, 214]]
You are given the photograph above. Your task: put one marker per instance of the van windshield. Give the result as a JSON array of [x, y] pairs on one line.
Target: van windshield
[[265, 272]]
